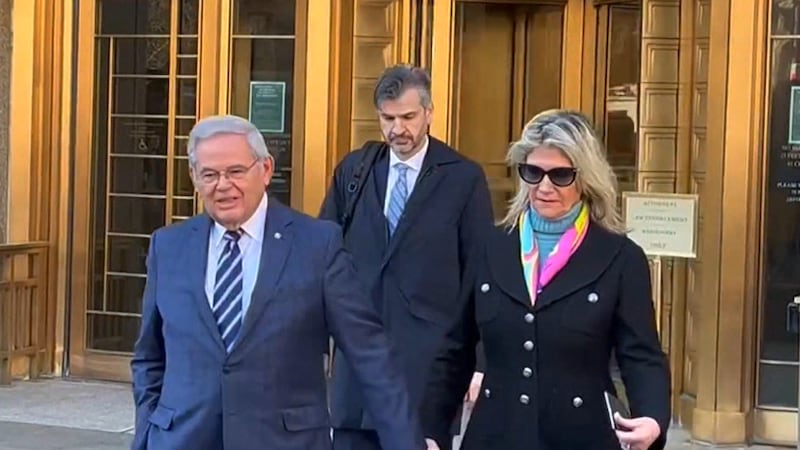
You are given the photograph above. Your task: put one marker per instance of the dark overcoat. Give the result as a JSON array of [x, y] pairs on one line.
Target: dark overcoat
[[547, 365], [415, 276]]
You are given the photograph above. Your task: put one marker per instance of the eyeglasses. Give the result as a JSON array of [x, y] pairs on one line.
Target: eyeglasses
[[559, 176], [235, 173]]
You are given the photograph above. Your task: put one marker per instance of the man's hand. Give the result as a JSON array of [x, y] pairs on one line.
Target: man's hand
[[432, 445], [474, 389], [639, 433]]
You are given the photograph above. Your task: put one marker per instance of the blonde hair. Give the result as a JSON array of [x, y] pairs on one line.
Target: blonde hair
[[573, 134]]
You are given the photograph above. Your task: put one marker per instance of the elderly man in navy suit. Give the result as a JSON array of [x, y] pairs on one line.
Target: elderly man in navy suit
[[238, 308]]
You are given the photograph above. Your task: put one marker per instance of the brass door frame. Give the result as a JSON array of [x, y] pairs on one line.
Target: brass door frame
[[528, 80], [442, 55], [213, 86], [444, 73], [725, 332], [516, 2], [601, 29], [215, 81], [84, 362], [39, 88]]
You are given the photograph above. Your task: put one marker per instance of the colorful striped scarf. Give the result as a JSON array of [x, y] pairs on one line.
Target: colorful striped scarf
[[535, 278]]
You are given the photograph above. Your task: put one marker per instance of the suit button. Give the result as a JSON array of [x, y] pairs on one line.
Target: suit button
[[529, 318], [577, 402], [487, 393], [528, 345], [524, 399], [593, 297], [527, 372], [485, 287]]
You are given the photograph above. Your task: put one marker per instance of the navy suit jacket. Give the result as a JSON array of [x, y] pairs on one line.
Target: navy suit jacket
[[269, 392]]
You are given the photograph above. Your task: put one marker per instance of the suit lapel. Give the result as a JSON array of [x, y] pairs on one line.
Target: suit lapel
[[591, 259], [431, 176], [196, 249], [375, 201], [597, 251], [505, 264], [275, 249], [381, 176]]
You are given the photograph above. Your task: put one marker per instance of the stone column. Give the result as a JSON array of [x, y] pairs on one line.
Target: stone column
[[5, 78], [725, 329]]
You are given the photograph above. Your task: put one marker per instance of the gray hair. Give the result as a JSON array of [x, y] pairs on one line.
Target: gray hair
[[396, 80], [214, 125], [573, 134]]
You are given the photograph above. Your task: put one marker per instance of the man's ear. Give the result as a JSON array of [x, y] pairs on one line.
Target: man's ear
[[269, 170], [193, 177]]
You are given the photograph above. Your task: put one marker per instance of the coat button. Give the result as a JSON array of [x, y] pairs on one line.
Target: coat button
[[487, 393], [527, 372], [592, 297], [528, 345], [485, 287], [577, 402], [524, 399], [529, 318]]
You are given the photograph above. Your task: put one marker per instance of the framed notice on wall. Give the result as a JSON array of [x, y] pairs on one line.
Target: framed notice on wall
[[794, 116], [662, 224], [268, 106]]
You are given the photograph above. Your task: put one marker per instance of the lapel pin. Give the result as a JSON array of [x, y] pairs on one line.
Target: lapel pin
[[276, 235], [592, 297]]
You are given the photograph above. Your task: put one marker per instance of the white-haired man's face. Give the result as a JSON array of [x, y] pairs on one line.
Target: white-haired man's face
[[230, 181]]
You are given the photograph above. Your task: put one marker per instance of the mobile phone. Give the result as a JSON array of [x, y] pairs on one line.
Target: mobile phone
[[614, 405]]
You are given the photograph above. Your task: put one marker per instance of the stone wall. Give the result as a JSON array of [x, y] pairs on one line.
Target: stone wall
[[5, 84]]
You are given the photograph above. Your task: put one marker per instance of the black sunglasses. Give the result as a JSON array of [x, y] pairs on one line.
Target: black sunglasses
[[559, 176]]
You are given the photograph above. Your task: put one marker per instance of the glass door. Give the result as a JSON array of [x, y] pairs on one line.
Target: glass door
[[616, 108], [263, 80], [148, 70], [776, 396]]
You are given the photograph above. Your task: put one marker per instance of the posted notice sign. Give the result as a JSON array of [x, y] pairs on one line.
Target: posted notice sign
[[662, 224], [268, 106]]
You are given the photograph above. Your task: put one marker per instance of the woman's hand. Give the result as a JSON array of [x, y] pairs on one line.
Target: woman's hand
[[639, 433]]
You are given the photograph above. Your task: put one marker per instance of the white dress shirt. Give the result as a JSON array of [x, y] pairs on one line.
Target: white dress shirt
[[249, 244], [414, 168]]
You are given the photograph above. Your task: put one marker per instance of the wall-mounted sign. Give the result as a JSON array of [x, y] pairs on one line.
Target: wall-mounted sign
[[662, 224], [268, 106], [794, 115]]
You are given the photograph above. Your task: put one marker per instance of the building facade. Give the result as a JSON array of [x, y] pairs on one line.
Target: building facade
[[691, 96]]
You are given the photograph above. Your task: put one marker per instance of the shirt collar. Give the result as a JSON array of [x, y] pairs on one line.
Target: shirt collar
[[415, 162], [253, 227]]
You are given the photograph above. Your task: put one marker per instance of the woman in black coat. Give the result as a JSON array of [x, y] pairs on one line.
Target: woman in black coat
[[558, 288]]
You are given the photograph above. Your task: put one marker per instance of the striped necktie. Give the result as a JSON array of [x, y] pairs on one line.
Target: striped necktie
[[398, 197], [228, 290]]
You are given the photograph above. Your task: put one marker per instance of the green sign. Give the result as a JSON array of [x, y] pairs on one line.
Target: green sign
[[268, 105], [794, 116]]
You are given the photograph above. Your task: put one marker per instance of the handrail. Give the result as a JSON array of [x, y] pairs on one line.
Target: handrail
[[23, 246]]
